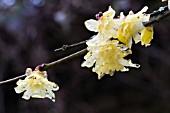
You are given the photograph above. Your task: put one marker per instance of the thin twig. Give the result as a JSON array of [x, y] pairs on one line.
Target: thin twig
[[65, 47], [12, 79], [158, 18], [47, 66], [161, 10]]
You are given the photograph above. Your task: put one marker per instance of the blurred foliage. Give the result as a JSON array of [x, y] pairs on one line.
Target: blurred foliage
[[31, 29]]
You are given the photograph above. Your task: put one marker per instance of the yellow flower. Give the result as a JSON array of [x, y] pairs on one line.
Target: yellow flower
[[132, 28], [105, 25], [105, 53], [125, 28], [36, 85], [126, 31], [146, 35], [107, 57]]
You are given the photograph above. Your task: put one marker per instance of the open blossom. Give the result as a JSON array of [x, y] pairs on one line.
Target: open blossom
[[105, 25], [107, 57], [36, 85], [132, 27]]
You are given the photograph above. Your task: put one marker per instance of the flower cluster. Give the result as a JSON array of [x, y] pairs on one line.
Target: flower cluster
[[132, 27], [108, 57], [36, 85], [107, 50]]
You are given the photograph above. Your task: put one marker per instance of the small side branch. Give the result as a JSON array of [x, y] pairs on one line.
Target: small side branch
[[13, 79], [65, 47]]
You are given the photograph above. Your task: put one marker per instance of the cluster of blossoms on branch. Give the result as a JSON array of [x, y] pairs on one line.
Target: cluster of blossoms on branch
[[107, 49]]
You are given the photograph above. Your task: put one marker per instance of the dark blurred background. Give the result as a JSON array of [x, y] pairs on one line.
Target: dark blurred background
[[31, 29]]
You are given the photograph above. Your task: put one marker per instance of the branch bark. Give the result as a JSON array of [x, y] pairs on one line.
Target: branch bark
[[65, 47], [47, 66]]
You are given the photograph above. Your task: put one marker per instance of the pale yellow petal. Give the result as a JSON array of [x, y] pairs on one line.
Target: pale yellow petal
[[143, 10], [94, 40], [27, 94], [147, 35], [122, 16], [28, 71], [110, 13], [137, 38], [128, 63], [92, 25]]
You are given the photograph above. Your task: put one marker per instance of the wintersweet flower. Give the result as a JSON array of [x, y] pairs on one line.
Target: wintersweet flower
[[105, 53], [132, 28], [146, 35], [107, 57], [36, 85], [104, 25]]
